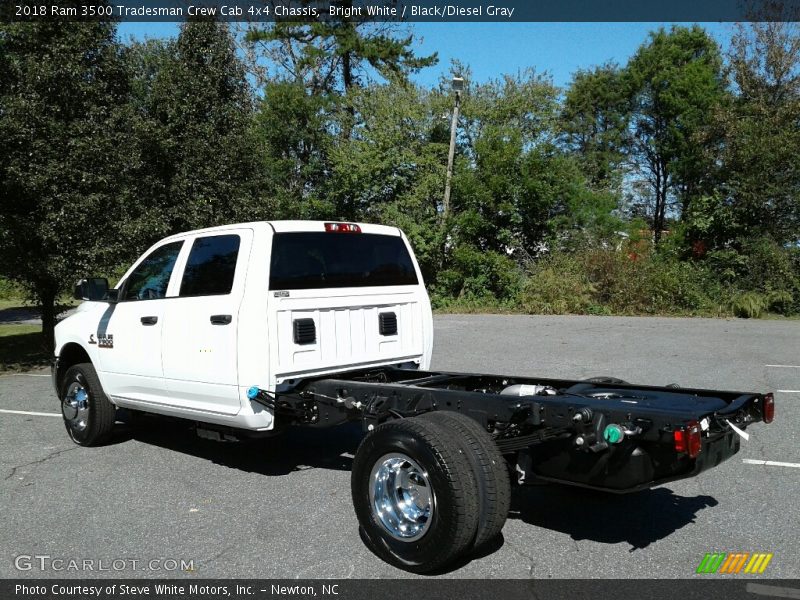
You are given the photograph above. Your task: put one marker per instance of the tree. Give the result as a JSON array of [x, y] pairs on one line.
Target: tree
[[513, 185], [595, 116], [392, 170], [198, 113], [675, 82], [64, 160], [333, 56], [307, 110], [760, 179], [330, 56], [293, 130]]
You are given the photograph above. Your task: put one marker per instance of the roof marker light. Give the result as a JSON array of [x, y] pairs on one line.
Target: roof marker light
[[342, 228]]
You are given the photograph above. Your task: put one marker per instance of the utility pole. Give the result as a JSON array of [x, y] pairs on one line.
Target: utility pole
[[458, 86]]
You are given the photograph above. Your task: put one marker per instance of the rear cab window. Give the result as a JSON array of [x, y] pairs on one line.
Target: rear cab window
[[211, 266], [316, 260]]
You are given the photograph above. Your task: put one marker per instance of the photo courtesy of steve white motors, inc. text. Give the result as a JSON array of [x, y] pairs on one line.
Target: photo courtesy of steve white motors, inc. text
[[172, 589]]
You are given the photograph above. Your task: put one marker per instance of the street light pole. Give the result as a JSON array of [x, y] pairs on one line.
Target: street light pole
[[458, 85]]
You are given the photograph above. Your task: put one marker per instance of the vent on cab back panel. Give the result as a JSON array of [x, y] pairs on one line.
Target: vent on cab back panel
[[387, 323], [305, 332]]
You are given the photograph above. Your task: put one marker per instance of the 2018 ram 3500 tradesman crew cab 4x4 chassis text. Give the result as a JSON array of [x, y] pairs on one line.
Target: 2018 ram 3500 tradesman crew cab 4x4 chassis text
[[245, 329]]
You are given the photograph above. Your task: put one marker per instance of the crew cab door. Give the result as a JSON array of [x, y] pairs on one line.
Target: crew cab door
[[129, 332], [199, 347]]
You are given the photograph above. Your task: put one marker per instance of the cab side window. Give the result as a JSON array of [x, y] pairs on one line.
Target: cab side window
[[150, 278], [211, 266]]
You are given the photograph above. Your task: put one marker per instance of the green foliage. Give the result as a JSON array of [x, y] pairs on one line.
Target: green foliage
[[199, 164], [595, 116], [759, 182], [559, 285], [557, 195], [762, 268], [515, 189], [9, 290], [291, 129], [332, 55], [749, 305], [392, 169], [675, 81], [476, 274], [622, 281], [66, 155]]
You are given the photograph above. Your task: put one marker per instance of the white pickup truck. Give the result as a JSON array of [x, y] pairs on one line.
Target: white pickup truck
[[246, 329]]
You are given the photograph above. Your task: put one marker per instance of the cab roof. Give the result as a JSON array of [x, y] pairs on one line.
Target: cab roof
[[289, 226]]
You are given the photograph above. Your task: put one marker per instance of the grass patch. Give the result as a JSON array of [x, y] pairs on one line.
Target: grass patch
[[13, 303], [21, 348]]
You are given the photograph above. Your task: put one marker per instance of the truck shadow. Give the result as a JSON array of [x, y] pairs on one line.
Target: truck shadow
[[296, 449], [638, 519]]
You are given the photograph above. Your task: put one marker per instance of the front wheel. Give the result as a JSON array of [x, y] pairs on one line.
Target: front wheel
[[414, 494], [88, 414]]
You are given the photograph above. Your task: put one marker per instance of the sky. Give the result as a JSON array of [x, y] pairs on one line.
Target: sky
[[493, 49]]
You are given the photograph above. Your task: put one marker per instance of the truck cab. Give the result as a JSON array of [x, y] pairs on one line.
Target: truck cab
[[203, 316]]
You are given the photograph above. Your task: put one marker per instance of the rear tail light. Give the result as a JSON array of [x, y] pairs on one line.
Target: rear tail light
[[688, 440], [768, 408], [342, 228]]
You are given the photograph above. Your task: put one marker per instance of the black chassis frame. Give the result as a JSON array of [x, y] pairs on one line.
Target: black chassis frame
[[537, 433]]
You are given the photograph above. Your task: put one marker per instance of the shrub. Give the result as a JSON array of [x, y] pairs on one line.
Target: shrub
[[633, 279], [748, 305], [559, 285], [625, 281], [649, 283], [764, 268], [474, 274], [9, 290]]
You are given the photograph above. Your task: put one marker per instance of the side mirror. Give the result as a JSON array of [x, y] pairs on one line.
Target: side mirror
[[93, 289]]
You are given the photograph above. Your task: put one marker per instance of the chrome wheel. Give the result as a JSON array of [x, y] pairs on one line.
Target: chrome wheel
[[75, 406], [401, 496]]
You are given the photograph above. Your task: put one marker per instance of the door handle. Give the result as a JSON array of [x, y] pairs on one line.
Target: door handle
[[221, 319], [149, 320]]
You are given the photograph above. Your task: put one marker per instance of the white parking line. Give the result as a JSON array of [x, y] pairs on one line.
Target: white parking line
[[24, 375], [788, 391], [773, 590], [784, 366], [770, 463], [25, 412]]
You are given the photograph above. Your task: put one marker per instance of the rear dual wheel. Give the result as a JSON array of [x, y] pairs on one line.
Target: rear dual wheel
[[428, 490], [490, 470]]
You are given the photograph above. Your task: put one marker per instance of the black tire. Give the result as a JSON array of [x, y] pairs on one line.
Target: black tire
[[454, 519], [490, 470], [95, 426], [604, 379]]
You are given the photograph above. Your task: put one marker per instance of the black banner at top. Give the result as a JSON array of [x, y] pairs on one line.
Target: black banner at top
[[444, 11]]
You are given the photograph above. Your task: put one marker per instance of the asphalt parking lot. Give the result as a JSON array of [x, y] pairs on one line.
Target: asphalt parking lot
[[281, 508]]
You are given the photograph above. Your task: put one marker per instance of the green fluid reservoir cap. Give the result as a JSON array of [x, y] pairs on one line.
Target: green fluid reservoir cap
[[613, 434]]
